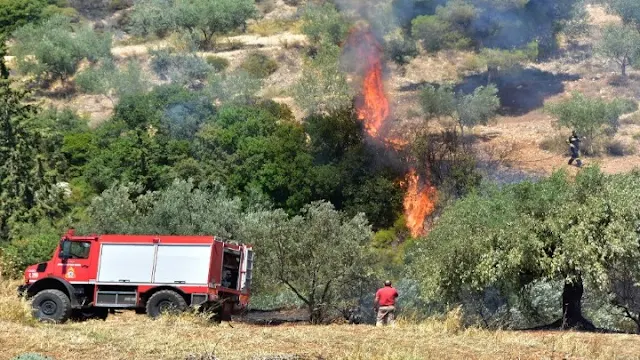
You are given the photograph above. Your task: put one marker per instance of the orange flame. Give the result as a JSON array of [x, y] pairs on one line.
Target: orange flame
[[374, 107], [418, 203], [373, 110]]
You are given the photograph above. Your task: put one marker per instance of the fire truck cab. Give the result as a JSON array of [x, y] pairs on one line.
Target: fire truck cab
[[90, 275]]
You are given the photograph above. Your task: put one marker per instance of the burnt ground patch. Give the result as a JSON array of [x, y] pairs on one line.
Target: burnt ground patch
[[522, 90]]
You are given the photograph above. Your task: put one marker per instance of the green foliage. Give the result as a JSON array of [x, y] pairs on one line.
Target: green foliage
[[28, 163], [505, 25], [248, 147], [183, 69], [401, 50], [620, 43], [316, 254], [259, 65], [204, 18], [553, 229], [237, 87], [589, 116], [469, 110], [323, 86], [324, 24], [30, 244], [436, 34], [217, 63], [629, 10], [17, 13], [55, 47], [107, 79]]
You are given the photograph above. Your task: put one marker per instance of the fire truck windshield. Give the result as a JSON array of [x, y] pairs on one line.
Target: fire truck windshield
[[76, 249]]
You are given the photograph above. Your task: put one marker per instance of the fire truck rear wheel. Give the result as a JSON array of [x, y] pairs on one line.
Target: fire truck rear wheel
[[165, 301], [51, 306]]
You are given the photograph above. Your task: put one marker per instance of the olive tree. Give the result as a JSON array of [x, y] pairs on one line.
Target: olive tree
[[202, 18], [575, 231], [317, 254], [54, 48], [588, 116], [620, 43], [477, 108]]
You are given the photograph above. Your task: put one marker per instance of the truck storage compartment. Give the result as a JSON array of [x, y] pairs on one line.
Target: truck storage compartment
[[126, 263], [182, 264], [116, 298], [230, 269]]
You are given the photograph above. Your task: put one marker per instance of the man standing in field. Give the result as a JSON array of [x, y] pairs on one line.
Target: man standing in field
[[385, 302]]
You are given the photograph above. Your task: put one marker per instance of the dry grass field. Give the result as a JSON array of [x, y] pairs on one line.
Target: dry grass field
[[130, 336]]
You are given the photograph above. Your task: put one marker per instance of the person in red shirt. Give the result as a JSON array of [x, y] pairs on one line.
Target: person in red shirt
[[385, 302]]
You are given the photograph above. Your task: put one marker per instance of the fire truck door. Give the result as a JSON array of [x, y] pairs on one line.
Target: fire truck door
[[74, 261]]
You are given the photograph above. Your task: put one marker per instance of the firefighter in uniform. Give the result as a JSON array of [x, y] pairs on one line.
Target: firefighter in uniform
[[574, 147]]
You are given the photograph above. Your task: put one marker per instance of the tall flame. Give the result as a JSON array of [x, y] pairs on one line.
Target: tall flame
[[373, 110], [374, 106], [418, 204]]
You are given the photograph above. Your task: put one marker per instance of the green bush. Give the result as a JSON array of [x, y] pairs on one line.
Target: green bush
[[259, 65], [218, 63], [401, 50], [30, 245]]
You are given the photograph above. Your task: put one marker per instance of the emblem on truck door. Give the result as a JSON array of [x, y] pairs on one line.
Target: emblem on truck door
[[71, 273]]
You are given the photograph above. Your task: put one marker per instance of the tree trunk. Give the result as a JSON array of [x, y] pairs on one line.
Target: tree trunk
[[624, 68], [572, 307]]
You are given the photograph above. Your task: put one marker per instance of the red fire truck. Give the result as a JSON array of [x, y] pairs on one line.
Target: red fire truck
[[89, 276]]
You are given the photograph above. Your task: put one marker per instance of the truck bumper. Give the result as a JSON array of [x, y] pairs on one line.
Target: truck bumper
[[22, 289]]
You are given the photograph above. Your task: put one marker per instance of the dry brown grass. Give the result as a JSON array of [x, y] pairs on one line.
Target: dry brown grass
[[130, 336]]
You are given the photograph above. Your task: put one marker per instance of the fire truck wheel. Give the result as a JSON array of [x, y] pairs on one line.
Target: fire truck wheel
[[51, 305], [165, 301]]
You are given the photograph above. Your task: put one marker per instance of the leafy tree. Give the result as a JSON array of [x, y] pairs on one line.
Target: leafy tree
[[621, 43], [17, 13], [587, 116], [30, 244], [107, 79], [492, 24], [251, 148], [55, 47], [184, 69], [237, 87], [467, 110], [573, 231], [324, 24], [436, 34], [207, 18], [323, 86], [28, 161], [316, 254], [629, 10]]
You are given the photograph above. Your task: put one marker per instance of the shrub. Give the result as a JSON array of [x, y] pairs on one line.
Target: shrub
[[619, 148], [401, 50], [217, 63], [54, 48], [179, 68], [555, 144], [30, 245], [259, 65]]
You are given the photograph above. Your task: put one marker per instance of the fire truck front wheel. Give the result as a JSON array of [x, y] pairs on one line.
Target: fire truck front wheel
[[165, 301], [51, 306]]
